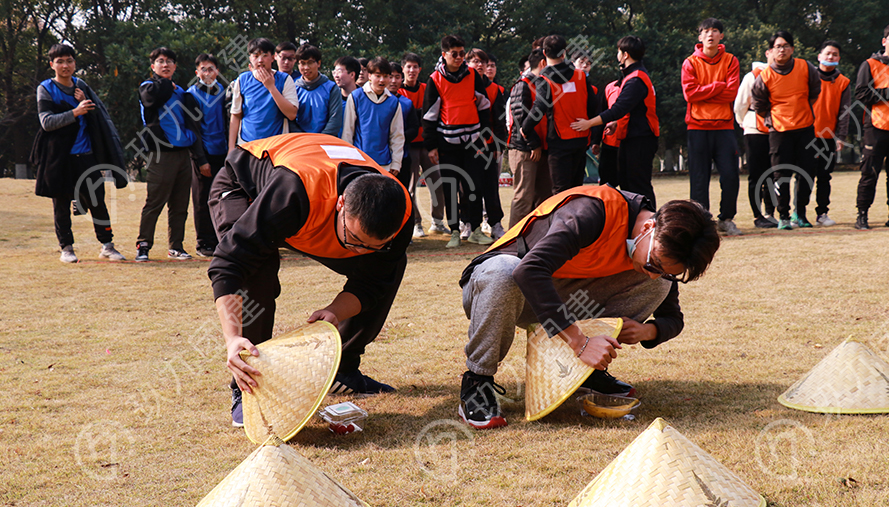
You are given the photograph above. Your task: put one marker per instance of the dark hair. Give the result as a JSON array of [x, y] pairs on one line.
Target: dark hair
[[206, 57], [285, 46], [58, 50], [535, 58], [411, 57], [449, 42], [395, 68], [522, 61], [687, 235], [711, 23], [537, 43], [379, 65], [830, 43], [308, 52], [581, 53], [554, 46], [260, 45], [350, 64], [632, 46], [159, 52], [378, 202], [492, 58], [477, 53], [363, 62], [783, 34]]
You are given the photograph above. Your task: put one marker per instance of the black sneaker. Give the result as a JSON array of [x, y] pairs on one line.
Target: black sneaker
[[178, 255], [205, 251], [357, 383], [478, 401], [764, 223], [237, 409], [141, 252], [604, 383], [861, 221]]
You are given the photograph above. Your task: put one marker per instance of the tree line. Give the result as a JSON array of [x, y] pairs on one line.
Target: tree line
[[113, 39]]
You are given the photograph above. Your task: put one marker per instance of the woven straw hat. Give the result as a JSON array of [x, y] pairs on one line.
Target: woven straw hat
[[553, 372], [662, 467], [275, 474], [851, 379], [297, 370]]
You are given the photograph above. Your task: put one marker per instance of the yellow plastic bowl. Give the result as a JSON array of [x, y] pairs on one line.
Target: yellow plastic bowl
[[606, 406]]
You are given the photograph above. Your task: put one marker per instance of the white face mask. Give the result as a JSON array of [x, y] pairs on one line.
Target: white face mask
[[209, 85], [631, 243]]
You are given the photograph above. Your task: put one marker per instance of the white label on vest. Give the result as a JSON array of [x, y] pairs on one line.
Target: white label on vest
[[569, 87], [346, 152]]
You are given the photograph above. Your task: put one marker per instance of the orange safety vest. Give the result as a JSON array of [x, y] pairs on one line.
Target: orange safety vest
[[880, 111], [612, 91], [417, 99], [760, 121], [650, 100], [789, 95], [491, 91], [316, 159], [827, 107], [709, 72], [568, 104], [458, 105], [607, 255]]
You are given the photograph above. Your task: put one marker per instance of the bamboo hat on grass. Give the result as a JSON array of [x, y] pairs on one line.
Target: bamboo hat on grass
[[663, 467], [275, 474], [297, 369], [851, 379], [553, 371]]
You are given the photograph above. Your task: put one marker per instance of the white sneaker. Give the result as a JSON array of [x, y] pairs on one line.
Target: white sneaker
[[465, 231], [479, 238], [68, 254], [418, 231], [825, 220], [439, 227], [455, 240], [497, 231], [486, 227], [108, 252]]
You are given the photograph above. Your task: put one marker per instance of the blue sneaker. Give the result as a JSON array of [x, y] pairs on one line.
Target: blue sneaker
[[237, 409], [355, 382]]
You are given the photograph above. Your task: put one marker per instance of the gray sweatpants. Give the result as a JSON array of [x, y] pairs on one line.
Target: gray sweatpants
[[495, 305]]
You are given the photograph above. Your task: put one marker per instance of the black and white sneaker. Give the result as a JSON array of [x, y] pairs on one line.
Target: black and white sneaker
[[205, 251], [178, 255], [356, 382], [141, 252], [237, 409], [604, 383], [478, 401]]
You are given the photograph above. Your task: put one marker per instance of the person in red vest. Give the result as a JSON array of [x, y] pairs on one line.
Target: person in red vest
[[588, 252], [607, 146], [710, 79], [564, 95], [637, 99], [321, 196], [783, 94], [831, 125], [872, 89]]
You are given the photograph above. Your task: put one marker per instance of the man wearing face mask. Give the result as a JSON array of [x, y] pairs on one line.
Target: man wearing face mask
[[590, 243]]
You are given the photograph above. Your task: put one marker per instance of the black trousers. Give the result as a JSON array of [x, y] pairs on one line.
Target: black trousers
[[873, 156], [200, 194], [790, 151], [608, 169], [90, 198], [706, 147], [759, 187], [567, 167], [461, 182], [490, 182], [824, 155], [635, 157]]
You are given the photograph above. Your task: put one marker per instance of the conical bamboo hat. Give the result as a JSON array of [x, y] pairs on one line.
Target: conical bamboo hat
[[297, 370], [851, 379], [276, 475], [553, 372], [662, 467]]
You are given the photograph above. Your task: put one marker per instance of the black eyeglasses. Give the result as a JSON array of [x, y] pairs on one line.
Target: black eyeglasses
[[457, 54], [347, 232], [651, 268]]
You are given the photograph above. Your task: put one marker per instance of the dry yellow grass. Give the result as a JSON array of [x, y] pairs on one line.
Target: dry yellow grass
[[116, 392]]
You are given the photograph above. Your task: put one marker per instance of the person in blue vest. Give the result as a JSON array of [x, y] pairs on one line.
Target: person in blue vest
[[373, 120], [321, 109], [76, 135], [345, 72], [171, 139], [210, 98], [411, 118], [285, 56], [263, 99]]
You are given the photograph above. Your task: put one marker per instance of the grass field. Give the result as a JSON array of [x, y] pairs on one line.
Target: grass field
[[118, 395]]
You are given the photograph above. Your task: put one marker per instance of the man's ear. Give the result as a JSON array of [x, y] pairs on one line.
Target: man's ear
[[340, 201]]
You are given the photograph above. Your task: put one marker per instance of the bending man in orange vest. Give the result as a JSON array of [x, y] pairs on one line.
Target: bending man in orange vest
[[318, 195], [588, 252]]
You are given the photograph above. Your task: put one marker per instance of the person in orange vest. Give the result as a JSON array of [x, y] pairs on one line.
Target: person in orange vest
[[710, 79], [783, 94], [321, 196], [455, 114], [607, 146], [872, 89], [564, 95], [756, 142], [588, 252], [831, 125], [637, 99]]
